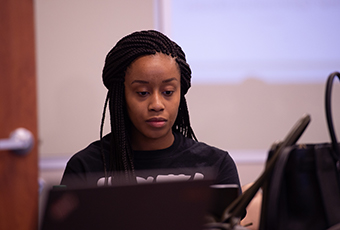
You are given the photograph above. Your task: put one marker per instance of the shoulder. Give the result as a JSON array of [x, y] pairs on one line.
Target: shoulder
[[201, 152], [85, 163], [201, 148], [86, 157], [207, 155], [89, 159]]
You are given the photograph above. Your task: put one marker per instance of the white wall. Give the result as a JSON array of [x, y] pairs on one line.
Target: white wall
[[73, 38]]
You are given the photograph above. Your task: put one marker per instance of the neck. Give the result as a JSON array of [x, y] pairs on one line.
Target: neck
[[143, 143]]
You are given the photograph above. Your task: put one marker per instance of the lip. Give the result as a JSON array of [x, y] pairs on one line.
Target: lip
[[156, 122]]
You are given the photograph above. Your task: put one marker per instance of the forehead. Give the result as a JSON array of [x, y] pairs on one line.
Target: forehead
[[153, 67]]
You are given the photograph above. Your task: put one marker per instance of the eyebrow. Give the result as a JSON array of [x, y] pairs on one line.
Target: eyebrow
[[146, 82], [139, 81]]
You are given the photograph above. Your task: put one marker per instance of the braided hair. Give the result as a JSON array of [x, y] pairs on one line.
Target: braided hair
[[117, 61]]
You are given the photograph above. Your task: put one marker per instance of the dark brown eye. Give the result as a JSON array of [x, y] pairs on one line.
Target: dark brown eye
[[168, 93], [143, 94]]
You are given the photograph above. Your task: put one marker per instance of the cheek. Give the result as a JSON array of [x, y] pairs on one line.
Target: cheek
[[133, 110], [175, 108]]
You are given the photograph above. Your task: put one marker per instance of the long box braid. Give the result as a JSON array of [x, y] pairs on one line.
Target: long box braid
[[117, 61]]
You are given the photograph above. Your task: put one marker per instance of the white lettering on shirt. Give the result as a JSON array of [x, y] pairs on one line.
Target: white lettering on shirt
[[159, 178]]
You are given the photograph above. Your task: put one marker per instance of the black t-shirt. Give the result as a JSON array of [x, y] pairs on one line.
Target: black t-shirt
[[185, 159]]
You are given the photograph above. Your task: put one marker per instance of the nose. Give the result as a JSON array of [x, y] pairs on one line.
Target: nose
[[156, 103]]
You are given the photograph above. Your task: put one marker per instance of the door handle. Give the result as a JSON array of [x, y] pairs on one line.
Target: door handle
[[21, 141]]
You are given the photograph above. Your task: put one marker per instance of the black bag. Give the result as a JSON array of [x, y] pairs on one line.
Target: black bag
[[303, 190], [300, 183]]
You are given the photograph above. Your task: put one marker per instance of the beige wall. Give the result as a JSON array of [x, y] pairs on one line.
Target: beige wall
[[73, 38]]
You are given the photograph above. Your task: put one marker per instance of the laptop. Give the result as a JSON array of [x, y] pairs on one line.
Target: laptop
[[166, 205]]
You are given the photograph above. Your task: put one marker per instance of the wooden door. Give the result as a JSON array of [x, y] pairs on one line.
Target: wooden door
[[18, 108]]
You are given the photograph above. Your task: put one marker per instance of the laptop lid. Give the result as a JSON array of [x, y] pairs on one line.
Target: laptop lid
[[167, 205]]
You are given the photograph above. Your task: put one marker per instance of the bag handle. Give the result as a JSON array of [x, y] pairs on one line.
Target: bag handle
[[329, 84]]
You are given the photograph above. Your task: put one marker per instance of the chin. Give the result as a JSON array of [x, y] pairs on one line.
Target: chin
[[157, 135]]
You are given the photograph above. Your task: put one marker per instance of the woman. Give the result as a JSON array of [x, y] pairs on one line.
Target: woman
[[151, 139]]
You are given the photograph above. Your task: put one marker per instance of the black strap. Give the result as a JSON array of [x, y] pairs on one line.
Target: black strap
[[328, 173], [328, 104]]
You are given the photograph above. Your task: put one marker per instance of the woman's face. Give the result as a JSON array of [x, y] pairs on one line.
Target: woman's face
[[152, 93]]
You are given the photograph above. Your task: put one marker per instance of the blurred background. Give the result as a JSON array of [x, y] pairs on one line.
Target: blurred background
[[258, 66]]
